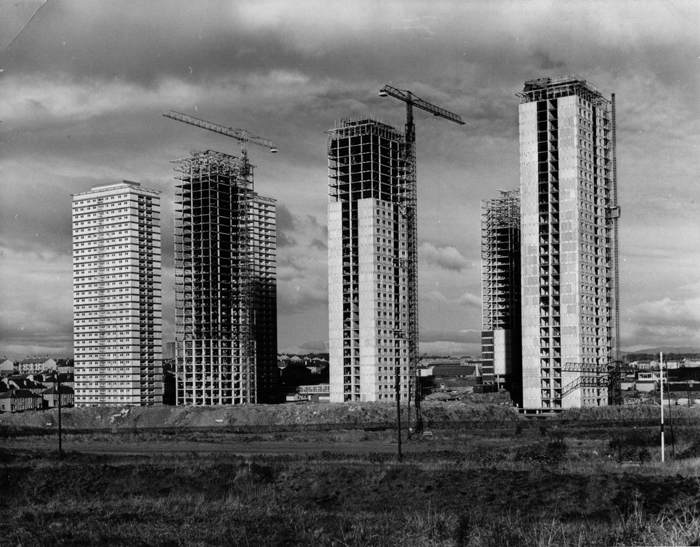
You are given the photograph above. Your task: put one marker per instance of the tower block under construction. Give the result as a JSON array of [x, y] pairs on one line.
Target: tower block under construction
[[500, 289], [568, 193], [226, 335], [368, 253]]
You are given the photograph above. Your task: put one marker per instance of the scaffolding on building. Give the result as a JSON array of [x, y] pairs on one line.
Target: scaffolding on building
[[500, 255], [213, 268], [226, 329]]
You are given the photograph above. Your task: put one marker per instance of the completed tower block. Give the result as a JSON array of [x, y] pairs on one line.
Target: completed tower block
[[117, 296], [568, 194]]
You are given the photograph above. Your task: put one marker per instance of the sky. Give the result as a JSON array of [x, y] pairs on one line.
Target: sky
[[83, 86]]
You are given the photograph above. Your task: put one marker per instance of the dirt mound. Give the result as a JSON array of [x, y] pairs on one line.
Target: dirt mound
[[251, 415]]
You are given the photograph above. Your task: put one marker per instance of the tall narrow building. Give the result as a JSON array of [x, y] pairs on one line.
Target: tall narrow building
[[226, 329], [117, 313], [368, 254], [500, 290], [569, 210]]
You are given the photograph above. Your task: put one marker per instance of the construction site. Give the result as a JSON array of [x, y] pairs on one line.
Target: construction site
[[500, 290], [368, 254], [569, 243], [226, 334], [373, 256]]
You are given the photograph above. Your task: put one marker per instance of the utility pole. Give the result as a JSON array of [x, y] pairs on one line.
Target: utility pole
[[409, 209], [661, 392], [397, 374]]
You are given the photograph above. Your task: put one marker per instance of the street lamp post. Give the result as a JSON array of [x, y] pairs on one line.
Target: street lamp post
[[60, 431]]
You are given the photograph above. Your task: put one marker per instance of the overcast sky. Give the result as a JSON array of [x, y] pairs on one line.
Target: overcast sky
[[84, 84]]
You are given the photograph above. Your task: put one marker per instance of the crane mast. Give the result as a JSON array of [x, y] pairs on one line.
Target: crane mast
[[409, 192]]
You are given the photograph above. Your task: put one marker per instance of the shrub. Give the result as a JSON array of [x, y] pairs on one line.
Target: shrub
[[630, 446], [693, 451], [551, 453]]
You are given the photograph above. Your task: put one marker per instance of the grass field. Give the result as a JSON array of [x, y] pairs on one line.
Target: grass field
[[541, 486]]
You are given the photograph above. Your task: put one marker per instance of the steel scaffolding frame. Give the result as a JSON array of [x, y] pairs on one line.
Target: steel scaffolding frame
[[500, 255], [215, 350]]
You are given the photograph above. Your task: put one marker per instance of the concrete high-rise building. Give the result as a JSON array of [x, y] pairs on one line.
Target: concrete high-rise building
[[367, 252], [117, 296], [225, 245], [500, 290], [568, 194], [264, 301]]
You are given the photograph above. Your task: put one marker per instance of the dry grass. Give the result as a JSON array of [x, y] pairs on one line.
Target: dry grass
[[445, 498]]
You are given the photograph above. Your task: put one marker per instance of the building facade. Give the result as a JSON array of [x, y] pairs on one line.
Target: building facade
[[368, 254], [569, 209], [117, 313], [225, 245], [500, 291]]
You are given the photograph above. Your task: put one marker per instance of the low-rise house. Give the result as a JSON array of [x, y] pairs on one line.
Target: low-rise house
[[320, 393], [7, 367], [628, 382], [65, 366], [315, 368], [24, 383], [66, 379], [50, 396], [643, 365], [19, 400], [28, 366], [647, 381]]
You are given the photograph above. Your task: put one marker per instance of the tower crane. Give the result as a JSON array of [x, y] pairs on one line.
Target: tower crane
[[410, 193], [243, 136]]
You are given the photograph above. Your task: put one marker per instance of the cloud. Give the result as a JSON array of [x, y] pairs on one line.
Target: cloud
[[451, 349], [36, 312], [666, 321], [319, 244], [302, 273], [469, 300], [314, 346], [448, 258], [462, 337], [85, 83], [285, 218]]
